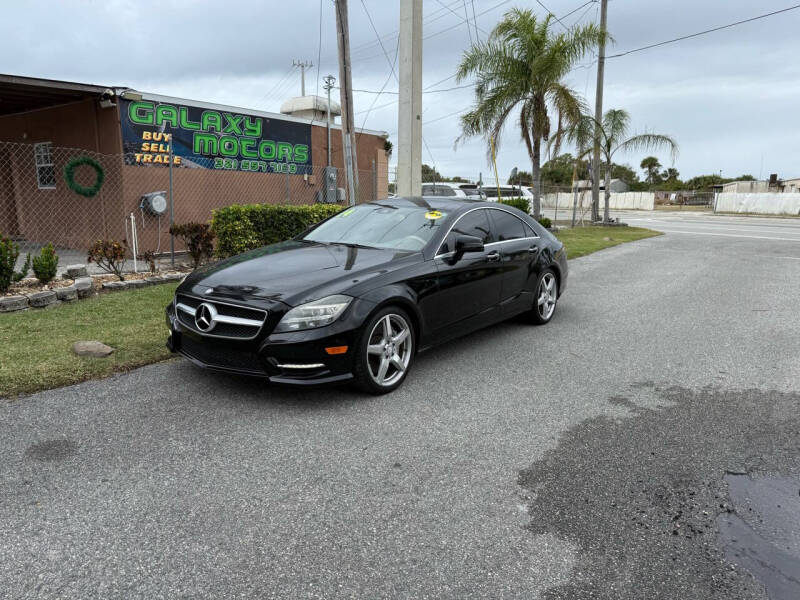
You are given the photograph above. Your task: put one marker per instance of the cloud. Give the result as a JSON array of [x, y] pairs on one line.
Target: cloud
[[728, 97]]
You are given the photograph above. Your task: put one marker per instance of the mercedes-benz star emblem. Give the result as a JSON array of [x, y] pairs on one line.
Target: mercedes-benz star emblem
[[205, 317]]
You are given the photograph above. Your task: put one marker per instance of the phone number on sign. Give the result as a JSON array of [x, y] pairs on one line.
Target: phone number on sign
[[258, 166]]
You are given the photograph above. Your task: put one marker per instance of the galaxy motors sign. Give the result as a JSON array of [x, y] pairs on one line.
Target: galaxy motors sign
[[153, 133]]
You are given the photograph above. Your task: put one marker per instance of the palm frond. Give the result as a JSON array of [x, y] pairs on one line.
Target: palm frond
[[649, 141]]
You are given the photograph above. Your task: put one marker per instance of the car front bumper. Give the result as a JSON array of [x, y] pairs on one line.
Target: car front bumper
[[296, 358]]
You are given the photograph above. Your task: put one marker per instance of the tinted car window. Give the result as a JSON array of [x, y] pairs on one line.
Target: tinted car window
[[507, 226], [475, 223]]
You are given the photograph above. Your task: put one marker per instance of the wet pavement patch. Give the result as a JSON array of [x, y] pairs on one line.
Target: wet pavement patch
[[762, 534], [640, 494], [52, 450]]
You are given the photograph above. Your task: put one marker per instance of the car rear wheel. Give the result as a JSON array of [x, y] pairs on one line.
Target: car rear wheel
[[546, 298], [385, 352]]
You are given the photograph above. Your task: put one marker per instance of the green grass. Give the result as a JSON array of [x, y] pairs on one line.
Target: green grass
[[581, 241], [36, 352]]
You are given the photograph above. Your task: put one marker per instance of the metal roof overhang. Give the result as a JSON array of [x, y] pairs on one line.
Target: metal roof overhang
[[22, 94]]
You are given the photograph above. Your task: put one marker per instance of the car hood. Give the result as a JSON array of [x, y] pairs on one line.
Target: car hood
[[293, 272]]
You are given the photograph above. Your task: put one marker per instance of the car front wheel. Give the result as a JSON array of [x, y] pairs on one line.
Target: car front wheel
[[385, 352], [546, 298]]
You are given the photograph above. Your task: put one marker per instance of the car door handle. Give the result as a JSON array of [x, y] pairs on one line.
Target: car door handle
[[493, 256]]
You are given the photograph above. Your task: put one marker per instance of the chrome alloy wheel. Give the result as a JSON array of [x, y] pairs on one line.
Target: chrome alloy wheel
[[548, 294], [389, 350]]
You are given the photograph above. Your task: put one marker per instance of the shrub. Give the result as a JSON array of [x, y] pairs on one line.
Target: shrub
[[545, 222], [522, 204], [150, 258], [9, 253], [243, 227], [109, 256], [199, 240], [45, 265]]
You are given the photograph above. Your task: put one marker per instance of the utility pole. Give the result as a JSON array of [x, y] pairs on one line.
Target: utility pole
[[598, 112], [328, 84], [303, 66], [346, 92], [330, 172], [409, 130]]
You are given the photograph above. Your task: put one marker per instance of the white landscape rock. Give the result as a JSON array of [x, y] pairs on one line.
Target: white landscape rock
[[92, 348]]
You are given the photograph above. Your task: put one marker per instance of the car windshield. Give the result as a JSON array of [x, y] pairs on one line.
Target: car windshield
[[399, 228]]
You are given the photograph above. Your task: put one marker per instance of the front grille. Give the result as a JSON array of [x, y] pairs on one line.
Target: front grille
[[208, 353], [228, 321]]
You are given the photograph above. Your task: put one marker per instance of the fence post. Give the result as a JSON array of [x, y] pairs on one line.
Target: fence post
[[288, 194], [171, 205]]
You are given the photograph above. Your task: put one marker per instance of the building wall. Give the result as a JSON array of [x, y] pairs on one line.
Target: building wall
[[83, 128], [59, 215], [791, 186], [746, 187]]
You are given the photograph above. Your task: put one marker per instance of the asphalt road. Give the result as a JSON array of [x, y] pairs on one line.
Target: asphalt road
[[584, 459]]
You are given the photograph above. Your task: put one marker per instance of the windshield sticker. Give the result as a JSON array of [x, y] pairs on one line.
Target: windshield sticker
[[433, 215], [347, 212]]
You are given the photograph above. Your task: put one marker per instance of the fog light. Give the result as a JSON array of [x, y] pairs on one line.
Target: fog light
[[336, 349]]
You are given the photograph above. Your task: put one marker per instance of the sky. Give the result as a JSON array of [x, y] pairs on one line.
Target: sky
[[729, 98]]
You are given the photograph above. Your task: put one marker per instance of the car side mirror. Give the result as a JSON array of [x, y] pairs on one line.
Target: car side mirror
[[467, 243]]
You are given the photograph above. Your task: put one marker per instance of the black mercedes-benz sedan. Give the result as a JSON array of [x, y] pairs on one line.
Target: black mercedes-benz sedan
[[357, 296]]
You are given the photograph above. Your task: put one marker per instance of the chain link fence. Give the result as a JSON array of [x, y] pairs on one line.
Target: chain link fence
[[39, 206]]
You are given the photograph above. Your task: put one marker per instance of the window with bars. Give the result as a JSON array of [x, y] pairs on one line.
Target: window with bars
[[45, 170]]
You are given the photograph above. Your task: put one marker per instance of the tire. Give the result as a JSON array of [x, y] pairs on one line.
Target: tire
[[379, 357], [545, 298]]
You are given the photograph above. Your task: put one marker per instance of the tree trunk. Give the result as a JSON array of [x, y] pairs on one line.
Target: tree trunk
[[537, 177], [608, 191], [574, 189], [595, 175]]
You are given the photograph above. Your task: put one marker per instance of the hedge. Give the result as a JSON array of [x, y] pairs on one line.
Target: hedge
[[521, 203], [243, 227]]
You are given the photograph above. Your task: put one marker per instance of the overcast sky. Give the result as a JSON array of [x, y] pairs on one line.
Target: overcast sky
[[730, 98]]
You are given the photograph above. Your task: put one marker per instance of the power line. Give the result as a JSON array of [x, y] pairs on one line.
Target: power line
[[498, 5], [319, 47], [428, 20], [475, 22], [469, 31], [394, 93], [271, 91], [577, 9], [552, 14], [699, 33]]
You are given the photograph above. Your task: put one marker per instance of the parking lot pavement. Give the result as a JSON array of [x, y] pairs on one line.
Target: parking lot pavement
[[715, 225], [518, 462]]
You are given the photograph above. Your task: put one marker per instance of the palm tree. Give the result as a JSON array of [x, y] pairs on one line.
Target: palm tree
[[651, 165], [614, 137], [519, 69]]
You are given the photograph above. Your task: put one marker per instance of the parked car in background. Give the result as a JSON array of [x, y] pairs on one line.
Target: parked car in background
[[357, 296], [506, 191], [446, 189]]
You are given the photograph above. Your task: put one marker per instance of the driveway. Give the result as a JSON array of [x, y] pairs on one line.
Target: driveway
[[584, 459]]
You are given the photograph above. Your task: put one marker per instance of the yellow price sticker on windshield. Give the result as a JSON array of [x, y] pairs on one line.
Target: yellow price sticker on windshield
[[347, 213], [433, 215]]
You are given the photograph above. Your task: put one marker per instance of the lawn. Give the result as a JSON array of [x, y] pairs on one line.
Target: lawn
[[36, 350], [581, 241]]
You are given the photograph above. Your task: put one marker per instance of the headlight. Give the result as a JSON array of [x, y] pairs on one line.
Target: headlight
[[314, 314]]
